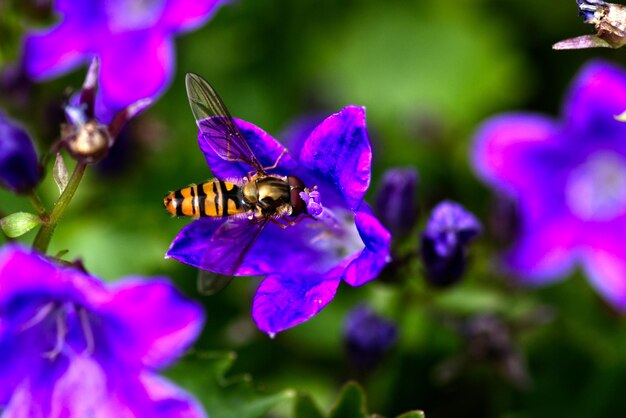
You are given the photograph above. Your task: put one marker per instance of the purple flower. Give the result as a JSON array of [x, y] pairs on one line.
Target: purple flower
[[19, 166], [569, 179], [72, 346], [444, 242], [133, 39], [396, 202], [368, 336], [305, 263]]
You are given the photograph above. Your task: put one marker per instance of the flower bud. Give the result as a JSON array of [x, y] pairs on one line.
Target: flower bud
[[367, 336], [396, 201], [19, 166], [444, 243]]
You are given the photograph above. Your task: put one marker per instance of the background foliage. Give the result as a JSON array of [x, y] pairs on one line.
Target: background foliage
[[428, 73]]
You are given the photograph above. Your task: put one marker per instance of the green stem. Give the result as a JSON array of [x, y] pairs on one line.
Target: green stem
[[36, 202], [42, 240]]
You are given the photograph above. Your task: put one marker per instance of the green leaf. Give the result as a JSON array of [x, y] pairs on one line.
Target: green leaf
[[204, 374], [19, 223], [305, 407], [350, 404], [412, 414]]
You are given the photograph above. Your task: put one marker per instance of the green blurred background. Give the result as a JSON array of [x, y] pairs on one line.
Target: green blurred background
[[428, 73]]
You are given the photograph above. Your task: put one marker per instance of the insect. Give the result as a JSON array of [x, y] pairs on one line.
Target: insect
[[248, 204], [609, 20]]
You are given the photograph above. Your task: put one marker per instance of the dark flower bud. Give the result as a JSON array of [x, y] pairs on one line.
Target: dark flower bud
[[490, 341], [19, 166], [367, 337], [444, 243], [396, 201]]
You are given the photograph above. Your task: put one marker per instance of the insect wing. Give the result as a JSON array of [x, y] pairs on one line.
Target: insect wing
[[210, 283], [216, 124], [227, 249]]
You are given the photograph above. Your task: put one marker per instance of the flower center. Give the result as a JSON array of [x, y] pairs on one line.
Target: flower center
[[62, 319], [125, 15], [339, 234], [596, 189]]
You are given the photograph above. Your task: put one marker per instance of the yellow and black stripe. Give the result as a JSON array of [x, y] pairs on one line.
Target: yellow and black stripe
[[211, 198]]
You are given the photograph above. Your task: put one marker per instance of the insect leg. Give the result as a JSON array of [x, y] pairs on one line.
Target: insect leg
[[277, 160]]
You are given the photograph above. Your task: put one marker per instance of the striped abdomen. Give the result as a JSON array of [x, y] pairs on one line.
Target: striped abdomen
[[211, 198]]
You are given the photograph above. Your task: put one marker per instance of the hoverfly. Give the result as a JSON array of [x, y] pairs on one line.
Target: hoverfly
[[609, 20], [247, 204]]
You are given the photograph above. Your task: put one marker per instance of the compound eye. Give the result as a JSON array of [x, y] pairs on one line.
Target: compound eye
[[296, 186]]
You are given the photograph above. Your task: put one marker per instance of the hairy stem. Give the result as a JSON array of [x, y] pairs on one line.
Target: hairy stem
[[42, 240], [36, 202]]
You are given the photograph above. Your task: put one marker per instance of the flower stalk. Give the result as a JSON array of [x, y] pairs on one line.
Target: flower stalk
[[42, 240]]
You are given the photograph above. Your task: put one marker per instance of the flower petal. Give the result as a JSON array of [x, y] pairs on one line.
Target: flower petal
[[192, 242], [607, 273], [134, 65], [339, 151], [284, 301], [184, 15], [19, 164], [374, 256], [509, 152], [596, 96], [149, 321], [25, 273], [50, 53], [544, 251], [87, 388], [265, 148]]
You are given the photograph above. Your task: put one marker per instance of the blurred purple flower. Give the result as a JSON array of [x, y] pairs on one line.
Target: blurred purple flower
[[367, 337], [304, 264], [396, 201], [449, 230], [19, 166], [569, 179], [72, 346], [133, 39]]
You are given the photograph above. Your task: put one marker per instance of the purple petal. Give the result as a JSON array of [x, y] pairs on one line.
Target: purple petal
[[374, 256], [134, 65], [266, 149], [19, 165], [150, 321], [544, 251], [283, 301], [192, 242], [48, 54], [87, 388], [506, 152], [597, 95], [184, 15], [297, 132], [339, 152], [607, 273], [24, 273]]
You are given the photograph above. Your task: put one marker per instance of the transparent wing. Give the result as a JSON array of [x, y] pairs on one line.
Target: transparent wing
[[210, 283], [227, 249], [216, 124]]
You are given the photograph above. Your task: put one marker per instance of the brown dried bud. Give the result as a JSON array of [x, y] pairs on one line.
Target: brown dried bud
[[88, 142]]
